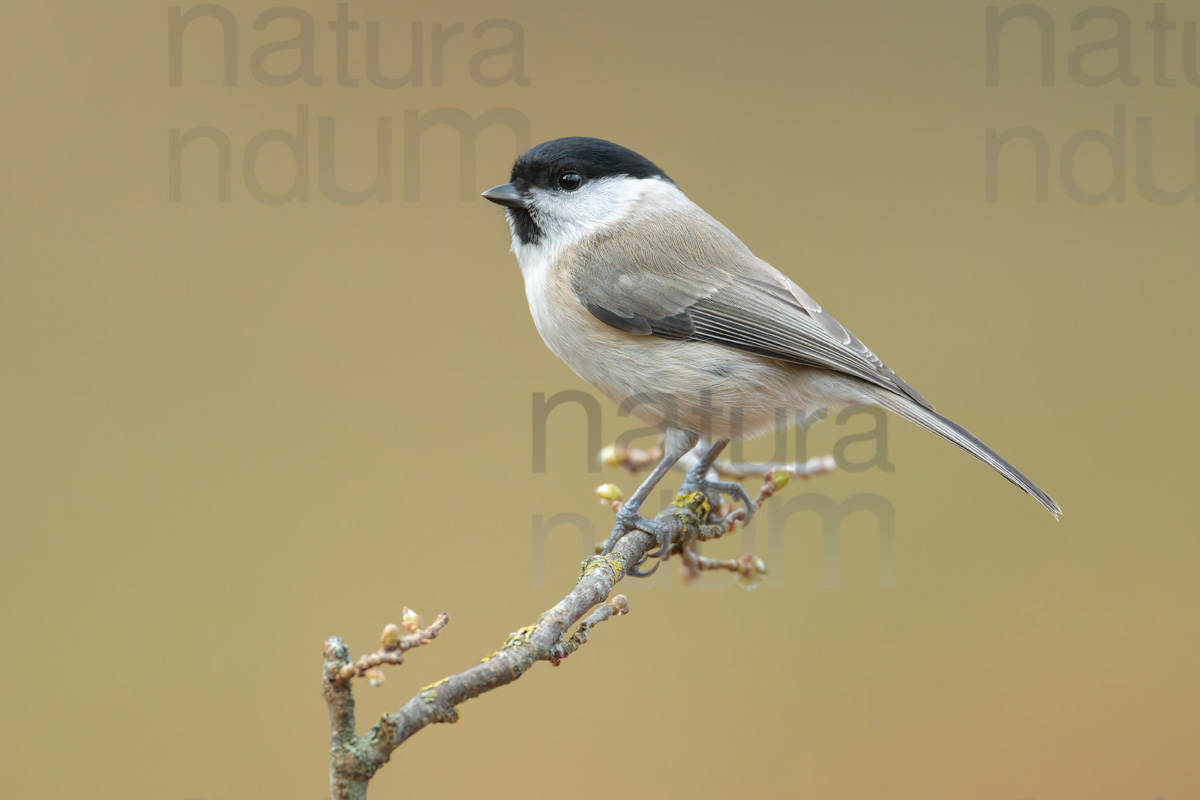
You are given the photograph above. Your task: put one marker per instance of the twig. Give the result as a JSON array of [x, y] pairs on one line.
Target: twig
[[355, 759], [636, 460], [618, 605], [819, 465], [393, 647]]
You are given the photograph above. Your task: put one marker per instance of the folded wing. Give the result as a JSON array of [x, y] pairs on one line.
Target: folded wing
[[699, 282]]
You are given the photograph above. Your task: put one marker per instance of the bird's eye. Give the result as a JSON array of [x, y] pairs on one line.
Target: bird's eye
[[570, 180]]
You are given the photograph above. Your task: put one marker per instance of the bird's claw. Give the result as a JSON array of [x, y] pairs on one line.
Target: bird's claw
[[628, 521], [634, 572], [698, 483], [663, 540]]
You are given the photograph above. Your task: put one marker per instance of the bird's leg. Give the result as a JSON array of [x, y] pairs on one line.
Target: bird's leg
[[675, 445], [628, 518], [697, 479]]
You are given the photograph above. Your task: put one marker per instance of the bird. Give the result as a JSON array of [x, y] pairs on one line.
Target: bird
[[667, 313]]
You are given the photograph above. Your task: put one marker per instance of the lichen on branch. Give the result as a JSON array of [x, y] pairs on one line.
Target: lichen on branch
[[690, 519]]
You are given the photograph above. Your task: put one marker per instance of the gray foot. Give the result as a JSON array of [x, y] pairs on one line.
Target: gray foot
[[628, 521], [697, 482]]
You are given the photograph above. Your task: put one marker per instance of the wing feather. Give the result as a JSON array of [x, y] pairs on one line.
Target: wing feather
[[699, 282]]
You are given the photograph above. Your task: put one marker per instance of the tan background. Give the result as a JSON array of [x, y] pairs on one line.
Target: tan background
[[231, 430]]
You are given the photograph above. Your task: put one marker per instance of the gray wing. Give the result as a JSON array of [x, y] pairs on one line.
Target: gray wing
[[703, 284]]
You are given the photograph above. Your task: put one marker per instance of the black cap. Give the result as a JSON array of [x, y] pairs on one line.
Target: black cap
[[592, 158]]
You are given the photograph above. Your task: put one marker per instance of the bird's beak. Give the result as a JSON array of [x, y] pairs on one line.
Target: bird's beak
[[506, 195]]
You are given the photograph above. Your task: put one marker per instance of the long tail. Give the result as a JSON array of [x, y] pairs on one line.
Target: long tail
[[956, 434]]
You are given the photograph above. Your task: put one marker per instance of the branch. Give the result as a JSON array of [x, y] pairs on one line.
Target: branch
[[392, 649], [618, 605], [355, 759], [637, 460]]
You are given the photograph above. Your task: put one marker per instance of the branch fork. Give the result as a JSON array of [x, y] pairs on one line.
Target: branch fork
[[355, 759]]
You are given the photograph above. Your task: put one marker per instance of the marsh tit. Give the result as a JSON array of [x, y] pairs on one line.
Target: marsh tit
[[667, 313]]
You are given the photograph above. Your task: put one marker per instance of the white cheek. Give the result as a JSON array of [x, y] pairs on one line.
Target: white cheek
[[568, 219]]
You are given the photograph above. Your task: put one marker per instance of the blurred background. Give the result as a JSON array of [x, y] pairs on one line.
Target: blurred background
[[245, 409]]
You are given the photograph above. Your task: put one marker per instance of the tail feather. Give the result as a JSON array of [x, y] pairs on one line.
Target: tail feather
[[932, 421]]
